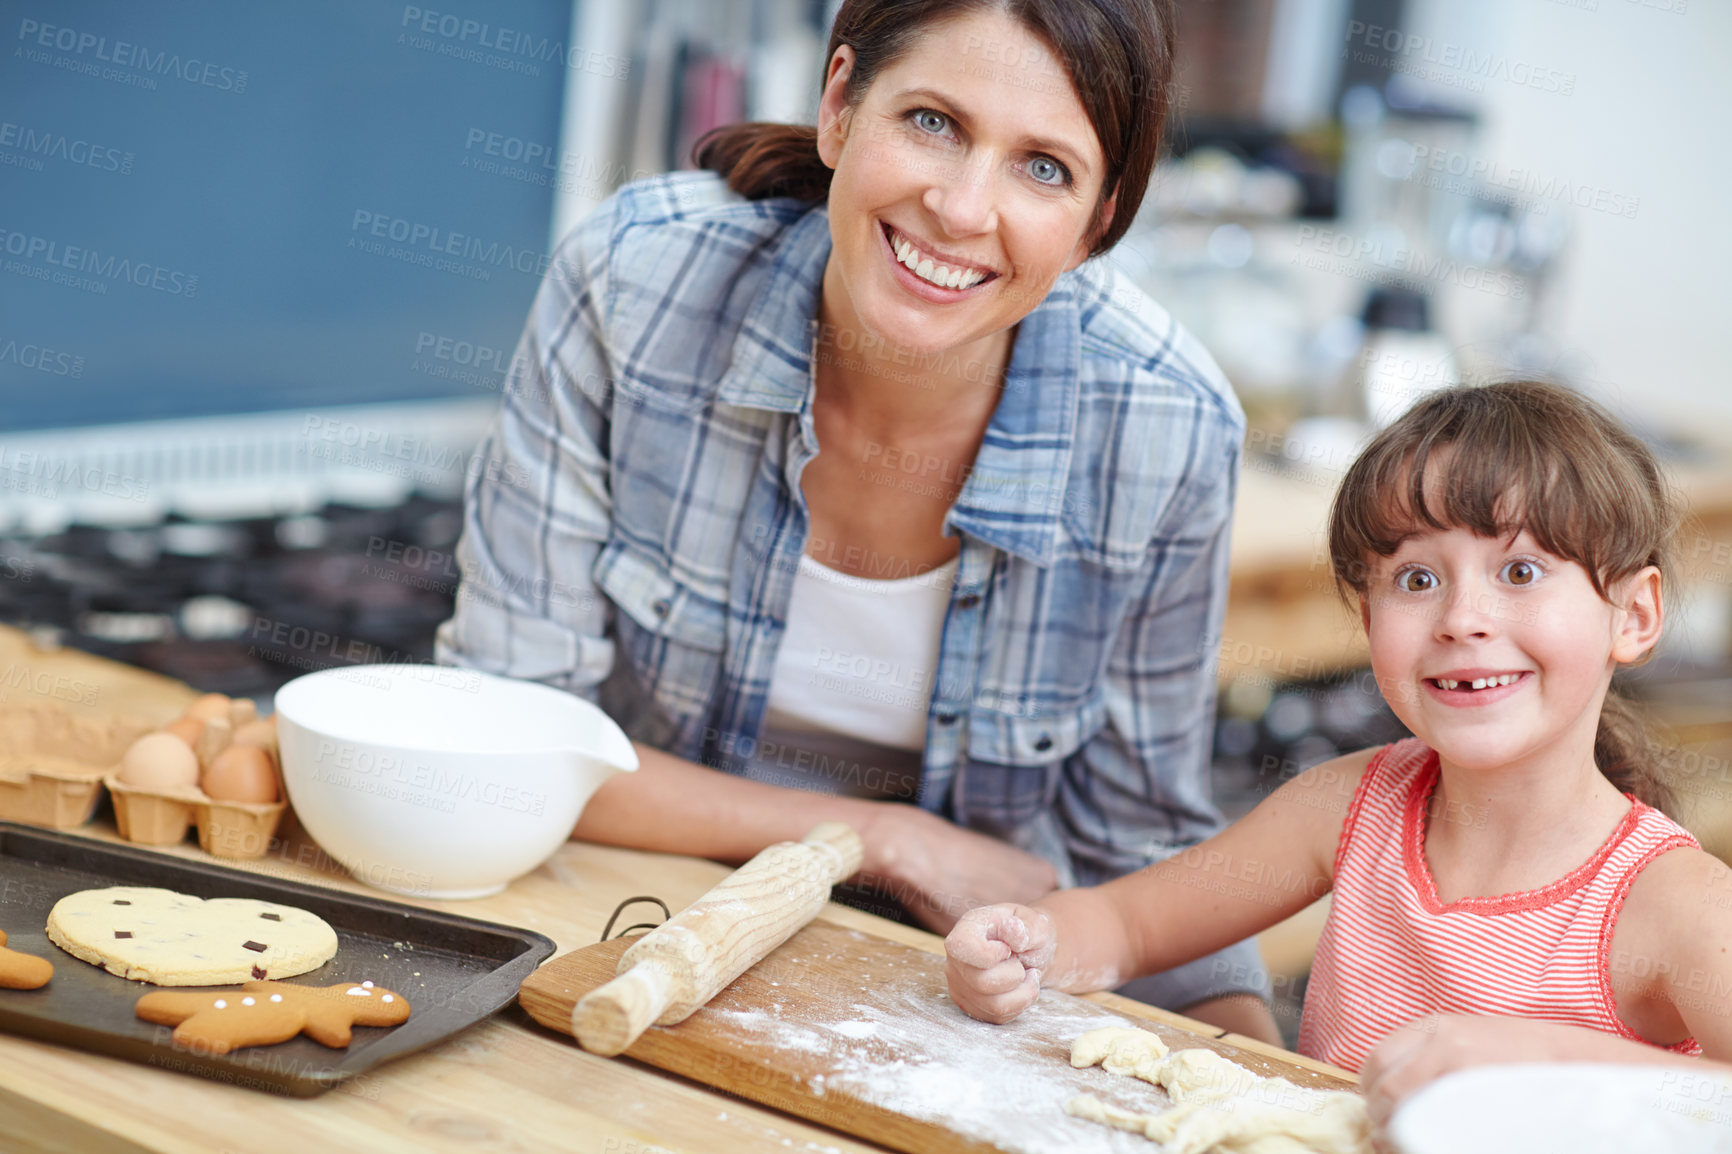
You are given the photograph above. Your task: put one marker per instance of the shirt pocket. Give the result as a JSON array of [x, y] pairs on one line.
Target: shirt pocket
[[1032, 734], [673, 634]]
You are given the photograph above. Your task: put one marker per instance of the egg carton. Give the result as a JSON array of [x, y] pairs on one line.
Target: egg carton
[[52, 762], [161, 815], [231, 829]]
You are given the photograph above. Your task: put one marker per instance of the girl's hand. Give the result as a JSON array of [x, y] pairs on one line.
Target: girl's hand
[[994, 958], [1422, 1051], [939, 871]]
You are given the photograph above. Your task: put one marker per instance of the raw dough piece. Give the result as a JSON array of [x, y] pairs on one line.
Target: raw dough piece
[[170, 939], [1089, 1107], [1222, 1107], [1199, 1075], [1120, 1050]]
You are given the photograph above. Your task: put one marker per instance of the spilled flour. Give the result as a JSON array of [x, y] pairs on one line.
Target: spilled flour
[[904, 1048], [857, 1048], [856, 1029]]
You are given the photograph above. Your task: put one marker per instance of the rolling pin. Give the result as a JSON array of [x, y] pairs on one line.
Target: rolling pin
[[683, 963]]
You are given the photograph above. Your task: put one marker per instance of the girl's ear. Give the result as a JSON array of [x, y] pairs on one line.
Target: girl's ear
[[833, 106], [1641, 613]]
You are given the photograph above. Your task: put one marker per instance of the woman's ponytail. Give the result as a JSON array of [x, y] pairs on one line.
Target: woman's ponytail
[[761, 160], [1631, 757]]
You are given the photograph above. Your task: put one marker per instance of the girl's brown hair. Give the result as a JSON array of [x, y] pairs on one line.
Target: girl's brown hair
[[1118, 53], [1495, 460]]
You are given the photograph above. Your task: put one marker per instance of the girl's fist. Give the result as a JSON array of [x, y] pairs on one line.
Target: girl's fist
[[994, 958]]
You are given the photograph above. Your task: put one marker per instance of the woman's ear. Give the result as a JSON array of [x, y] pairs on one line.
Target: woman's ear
[[1083, 246], [833, 106], [1641, 613]]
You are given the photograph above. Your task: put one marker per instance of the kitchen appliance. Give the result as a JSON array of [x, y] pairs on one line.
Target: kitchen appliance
[[241, 606]]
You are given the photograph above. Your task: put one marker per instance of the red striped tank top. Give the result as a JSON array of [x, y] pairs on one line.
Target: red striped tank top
[[1392, 953]]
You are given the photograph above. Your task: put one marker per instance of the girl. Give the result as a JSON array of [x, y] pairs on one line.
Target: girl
[[1504, 889]]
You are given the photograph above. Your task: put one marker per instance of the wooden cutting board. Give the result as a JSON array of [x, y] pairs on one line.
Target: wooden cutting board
[[858, 1033]]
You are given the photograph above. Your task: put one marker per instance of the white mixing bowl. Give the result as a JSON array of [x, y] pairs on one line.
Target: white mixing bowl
[[440, 782]]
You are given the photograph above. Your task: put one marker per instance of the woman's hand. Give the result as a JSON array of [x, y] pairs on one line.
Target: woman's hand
[[994, 958], [940, 871]]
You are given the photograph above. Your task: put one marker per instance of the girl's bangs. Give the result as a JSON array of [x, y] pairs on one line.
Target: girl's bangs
[[1495, 471]]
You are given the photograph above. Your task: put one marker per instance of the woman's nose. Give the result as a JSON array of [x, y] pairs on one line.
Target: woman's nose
[[963, 199]]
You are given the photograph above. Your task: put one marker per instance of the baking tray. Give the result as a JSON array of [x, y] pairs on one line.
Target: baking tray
[[455, 971]]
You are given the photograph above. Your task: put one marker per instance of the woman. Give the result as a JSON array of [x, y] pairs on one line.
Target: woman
[[993, 591]]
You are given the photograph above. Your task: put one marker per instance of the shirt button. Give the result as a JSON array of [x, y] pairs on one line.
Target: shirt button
[[968, 601], [661, 607], [947, 719], [1042, 743]]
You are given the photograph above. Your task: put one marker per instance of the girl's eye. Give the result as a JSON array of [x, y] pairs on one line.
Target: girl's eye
[[1416, 580], [929, 121], [1520, 572], [1046, 170]]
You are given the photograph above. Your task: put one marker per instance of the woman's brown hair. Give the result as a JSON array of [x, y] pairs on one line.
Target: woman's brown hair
[[1118, 53], [1497, 459]]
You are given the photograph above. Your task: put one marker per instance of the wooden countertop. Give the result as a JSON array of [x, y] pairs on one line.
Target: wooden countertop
[[505, 1084]]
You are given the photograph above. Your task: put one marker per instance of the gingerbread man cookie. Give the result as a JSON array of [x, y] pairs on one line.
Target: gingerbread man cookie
[[22, 971], [332, 1010], [265, 1013]]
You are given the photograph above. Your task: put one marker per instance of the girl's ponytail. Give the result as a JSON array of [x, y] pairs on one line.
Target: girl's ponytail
[[1631, 757], [761, 160]]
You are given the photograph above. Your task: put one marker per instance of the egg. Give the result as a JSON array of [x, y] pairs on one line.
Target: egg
[[188, 729], [209, 707], [241, 711], [241, 773], [259, 733], [213, 740], [159, 761]]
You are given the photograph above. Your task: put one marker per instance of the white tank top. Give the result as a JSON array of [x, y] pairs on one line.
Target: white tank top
[[859, 656]]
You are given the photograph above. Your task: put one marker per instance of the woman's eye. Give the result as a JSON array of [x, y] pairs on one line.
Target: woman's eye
[[1046, 170], [929, 121], [1416, 580], [1521, 573]]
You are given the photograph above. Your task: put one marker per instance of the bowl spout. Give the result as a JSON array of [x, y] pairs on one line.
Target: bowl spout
[[594, 767], [600, 749]]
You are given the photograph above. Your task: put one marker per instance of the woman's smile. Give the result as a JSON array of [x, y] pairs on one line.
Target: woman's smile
[[932, 269]]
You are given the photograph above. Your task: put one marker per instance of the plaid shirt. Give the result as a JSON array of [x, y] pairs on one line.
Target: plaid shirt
[[634, 522]]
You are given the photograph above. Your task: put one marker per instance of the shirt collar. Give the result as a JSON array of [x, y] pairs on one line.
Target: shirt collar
[[1015, 492], [772, 365]]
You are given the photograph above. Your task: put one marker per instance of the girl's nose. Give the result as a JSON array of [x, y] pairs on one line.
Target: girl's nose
[[963, 198], [1467, 616]]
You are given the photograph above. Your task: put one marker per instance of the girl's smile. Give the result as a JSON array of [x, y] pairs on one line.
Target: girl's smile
[[1471, 688]]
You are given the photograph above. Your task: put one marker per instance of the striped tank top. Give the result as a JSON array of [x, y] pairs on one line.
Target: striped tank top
[[1392, 953]]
